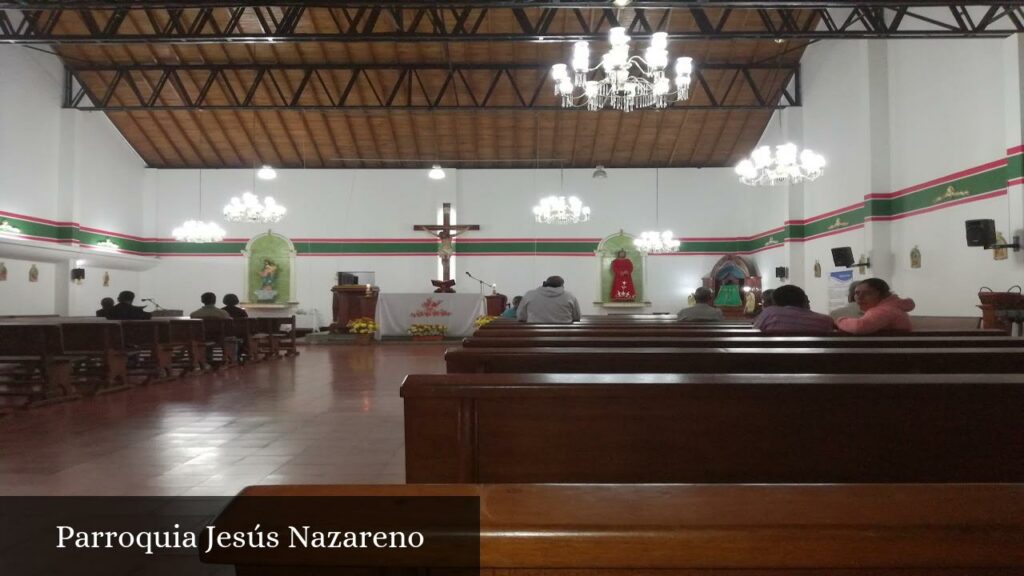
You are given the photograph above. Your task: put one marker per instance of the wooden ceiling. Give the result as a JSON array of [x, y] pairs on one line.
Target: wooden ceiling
[[394, 137]]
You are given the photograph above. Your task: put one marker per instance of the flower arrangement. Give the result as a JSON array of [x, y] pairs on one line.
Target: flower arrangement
[[361, 326], [428, 329], [483, 320]]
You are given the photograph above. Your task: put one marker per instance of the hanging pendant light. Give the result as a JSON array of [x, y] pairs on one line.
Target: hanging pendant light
[[267, 172], [561, 210], [198, 231], [788, 165], [657, 242]]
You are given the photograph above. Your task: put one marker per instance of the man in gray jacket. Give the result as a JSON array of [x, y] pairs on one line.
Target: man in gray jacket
[[549, 304], [702, 311]]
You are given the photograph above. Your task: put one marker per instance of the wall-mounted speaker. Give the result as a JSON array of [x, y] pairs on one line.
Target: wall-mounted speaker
[[77, 275], [781, 272], [843, 256], [981, 232]]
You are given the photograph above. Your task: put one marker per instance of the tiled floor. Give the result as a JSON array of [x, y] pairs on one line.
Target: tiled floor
[[332, 415]]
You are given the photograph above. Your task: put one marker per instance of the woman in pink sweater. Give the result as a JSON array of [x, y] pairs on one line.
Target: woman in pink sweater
[[883, 310]]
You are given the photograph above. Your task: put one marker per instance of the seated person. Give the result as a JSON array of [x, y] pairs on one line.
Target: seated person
[[883, 310], [231, 307], [851, 310], [766, 298], [792, 314], [105, 306], [209, 309], [549, 304], [702, 310], [124, 310], [511, 311]]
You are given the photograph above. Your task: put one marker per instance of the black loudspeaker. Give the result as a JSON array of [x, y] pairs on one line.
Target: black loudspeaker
[[346, 279], [77, 275], [843, 256], [781, 272], [981, 232]]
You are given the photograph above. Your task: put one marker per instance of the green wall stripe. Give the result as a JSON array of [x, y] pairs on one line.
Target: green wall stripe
[[973, 185]]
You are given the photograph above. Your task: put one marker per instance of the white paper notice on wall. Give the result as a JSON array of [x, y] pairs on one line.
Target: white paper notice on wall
[[839, 288]]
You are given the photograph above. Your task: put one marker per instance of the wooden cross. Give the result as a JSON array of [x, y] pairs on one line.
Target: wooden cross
[[444, 233]]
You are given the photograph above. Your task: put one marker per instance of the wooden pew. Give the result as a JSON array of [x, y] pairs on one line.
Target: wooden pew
[[33, 365], [165, 344], [675, 530], [736, 360], [798, 428], [282, 328], [100, 343], [510, 325], [220, 343], [743, 342], [701, 332]]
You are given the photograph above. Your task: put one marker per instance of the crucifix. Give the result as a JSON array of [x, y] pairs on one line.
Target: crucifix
[[444, 233]]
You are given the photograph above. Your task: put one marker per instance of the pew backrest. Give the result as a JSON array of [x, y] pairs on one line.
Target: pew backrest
[[736, 360], [799, 428]]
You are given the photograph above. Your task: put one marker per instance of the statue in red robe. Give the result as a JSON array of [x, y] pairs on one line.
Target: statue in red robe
[[622, 279]]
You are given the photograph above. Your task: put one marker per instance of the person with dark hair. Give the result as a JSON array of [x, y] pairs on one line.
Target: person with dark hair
[[851, 310], [106, 305], [549, 304], [511, 311], [766, 298], [125, 310], [791, 314], [209, 309], [702, 310], [883, 310], [231, 307]]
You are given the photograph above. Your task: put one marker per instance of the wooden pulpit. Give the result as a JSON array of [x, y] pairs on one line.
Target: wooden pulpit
[[496, 304], [351, 302]]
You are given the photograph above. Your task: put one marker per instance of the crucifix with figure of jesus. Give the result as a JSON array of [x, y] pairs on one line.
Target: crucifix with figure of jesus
[[444, 232]]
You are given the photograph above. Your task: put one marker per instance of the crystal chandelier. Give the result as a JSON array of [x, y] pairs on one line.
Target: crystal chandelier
[[647, 87], [558, 210], [657, 242], [788, 165], [198, 232], [250, 209]]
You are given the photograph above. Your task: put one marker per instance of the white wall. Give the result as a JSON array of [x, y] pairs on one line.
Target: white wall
[[19, 296], [65, 166], [890, 115], [385, 204], [30, 92], [886, 115]]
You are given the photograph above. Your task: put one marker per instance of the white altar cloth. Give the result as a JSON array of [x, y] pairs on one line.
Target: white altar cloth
[[396, 312]]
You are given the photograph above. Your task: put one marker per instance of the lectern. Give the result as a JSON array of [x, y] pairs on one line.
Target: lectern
[[351, 302]]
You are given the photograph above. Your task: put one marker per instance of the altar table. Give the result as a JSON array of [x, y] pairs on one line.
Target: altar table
[[397, 312]]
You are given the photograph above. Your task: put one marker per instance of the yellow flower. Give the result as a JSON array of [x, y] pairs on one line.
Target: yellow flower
[[362, 325]]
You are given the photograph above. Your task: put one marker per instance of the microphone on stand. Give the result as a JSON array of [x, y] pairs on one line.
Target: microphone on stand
[[153, 302]]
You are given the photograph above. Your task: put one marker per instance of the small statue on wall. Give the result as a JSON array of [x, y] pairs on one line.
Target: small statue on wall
[[33, 274], [915, 258], [3, 272], [622, 278], [106, 279], [863, 265], [1000, 253], [817, 269]]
